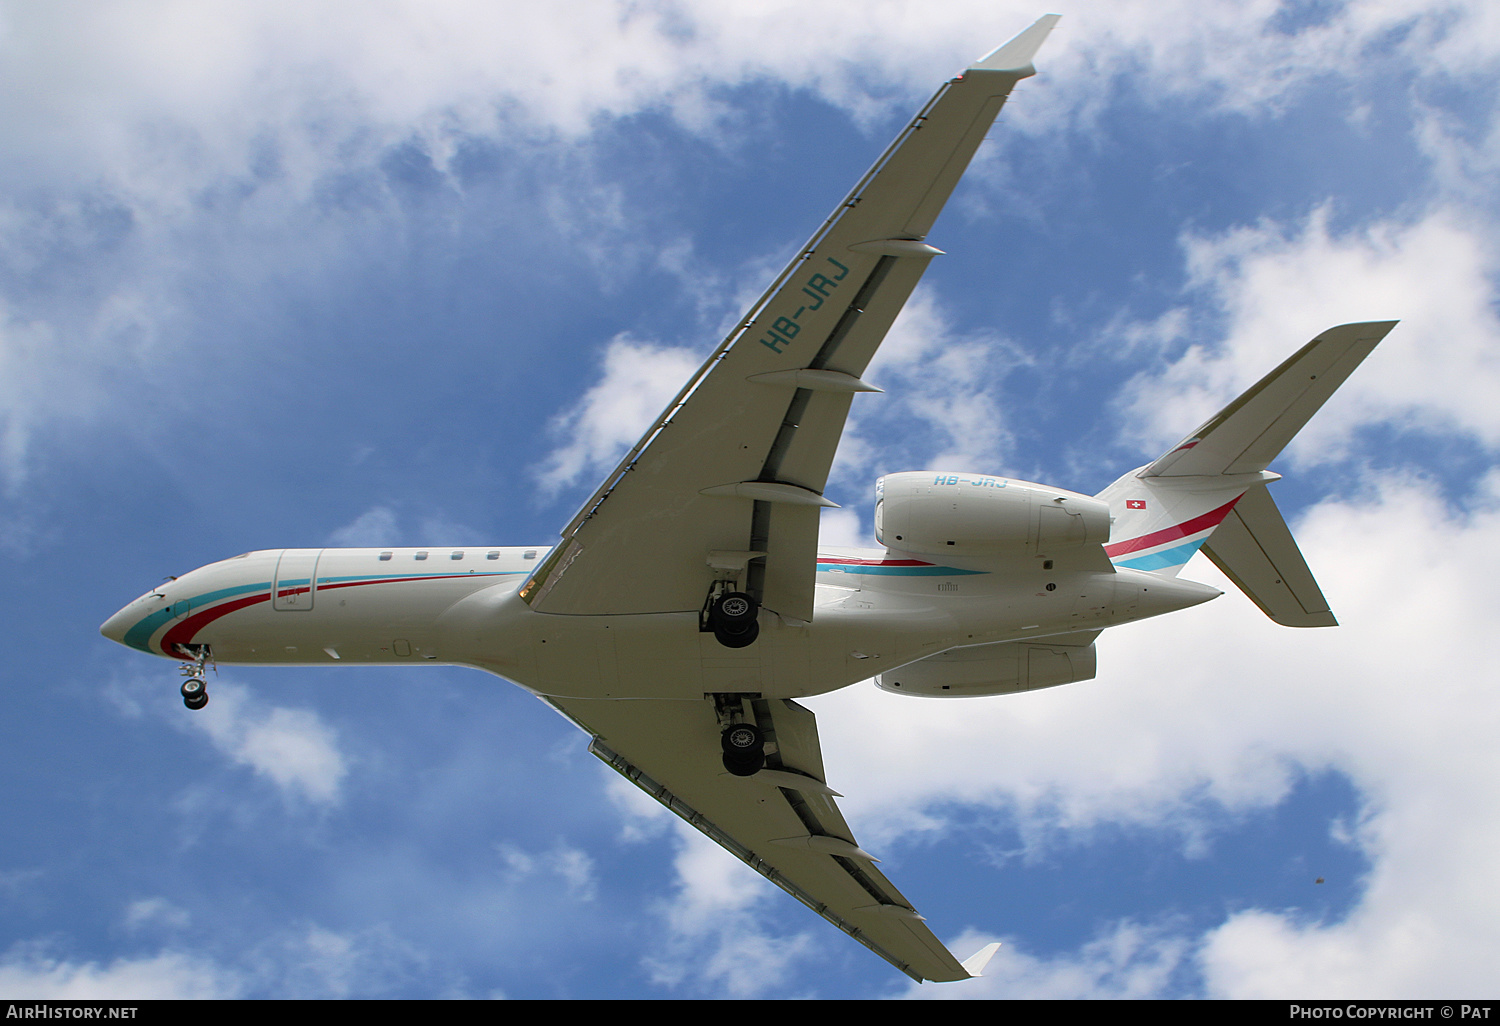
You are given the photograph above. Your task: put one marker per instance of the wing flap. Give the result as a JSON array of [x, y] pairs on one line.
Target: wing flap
[[791, 833]]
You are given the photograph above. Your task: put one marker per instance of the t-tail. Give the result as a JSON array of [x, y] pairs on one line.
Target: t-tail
[[1209, 490]]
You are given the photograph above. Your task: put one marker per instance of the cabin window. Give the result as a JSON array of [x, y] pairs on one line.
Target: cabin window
[[492, 555], [457, 555], [529, 554], [385, 556], [421, 555]]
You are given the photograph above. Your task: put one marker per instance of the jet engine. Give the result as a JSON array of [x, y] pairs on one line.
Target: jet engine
[[933, 513], [1000, 669]]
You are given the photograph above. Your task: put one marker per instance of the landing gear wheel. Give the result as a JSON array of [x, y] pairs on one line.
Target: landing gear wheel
[[740, 639], [734, 609], [195, 702], [734, 619], [745, 765], [192, 688], [744, 749], [742, 739]]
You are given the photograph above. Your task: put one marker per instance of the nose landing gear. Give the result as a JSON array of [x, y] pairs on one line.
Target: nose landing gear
[[195, 688]]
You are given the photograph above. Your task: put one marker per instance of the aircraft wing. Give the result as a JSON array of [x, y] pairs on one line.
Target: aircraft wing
[[730, 478], [782, 821]]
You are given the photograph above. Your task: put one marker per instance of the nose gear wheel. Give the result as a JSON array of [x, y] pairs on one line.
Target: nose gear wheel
[[195, 688]]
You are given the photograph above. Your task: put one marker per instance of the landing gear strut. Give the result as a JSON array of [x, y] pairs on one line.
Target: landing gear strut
[[195, 688]]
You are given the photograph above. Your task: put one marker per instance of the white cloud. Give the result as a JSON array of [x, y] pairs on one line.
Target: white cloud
[[372, 528], [940, 399], [1126, 961], [155, 912], [1410, 719], [142, 137], [27, 971], [714, 937], [1202, 716], [570, 865], [1281, 285], [291, 747], [714, 940], [313, 961], [640, 378]]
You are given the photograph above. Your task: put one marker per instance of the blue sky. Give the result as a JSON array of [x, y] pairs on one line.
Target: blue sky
[[316, 274]]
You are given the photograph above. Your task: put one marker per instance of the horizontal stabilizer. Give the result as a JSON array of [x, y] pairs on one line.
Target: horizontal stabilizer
[[1255, 549], [1245, 436]]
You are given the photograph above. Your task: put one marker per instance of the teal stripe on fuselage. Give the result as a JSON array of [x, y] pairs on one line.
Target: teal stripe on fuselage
[[140, 634], [412, 577], [895, 571], [1163, 559]]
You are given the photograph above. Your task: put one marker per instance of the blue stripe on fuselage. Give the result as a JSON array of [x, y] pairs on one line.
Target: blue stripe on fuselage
[[1175, 556]]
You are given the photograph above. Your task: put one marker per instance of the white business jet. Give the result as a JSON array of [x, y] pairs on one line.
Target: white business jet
[[688, 605]]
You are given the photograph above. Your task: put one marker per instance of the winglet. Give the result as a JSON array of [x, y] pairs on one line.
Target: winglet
[[975, 963], [1015, 56]]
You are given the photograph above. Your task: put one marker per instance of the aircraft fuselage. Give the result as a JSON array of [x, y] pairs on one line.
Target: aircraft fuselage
[[460, 606]]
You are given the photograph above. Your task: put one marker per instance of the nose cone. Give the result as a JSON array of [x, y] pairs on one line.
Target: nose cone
[[115, 627], [145, 614]]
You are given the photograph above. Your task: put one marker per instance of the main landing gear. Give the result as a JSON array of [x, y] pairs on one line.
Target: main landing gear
[[195, 688], [744, 749], [742, 740], [733, 617]]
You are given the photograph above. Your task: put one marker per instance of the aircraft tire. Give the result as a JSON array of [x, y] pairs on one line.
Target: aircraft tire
[[737, 639], [194, 686], [196, 701], [745, 765]]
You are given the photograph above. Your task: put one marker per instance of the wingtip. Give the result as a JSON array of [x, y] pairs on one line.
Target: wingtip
[[975, 963], [1016, 56], [1368, 329]]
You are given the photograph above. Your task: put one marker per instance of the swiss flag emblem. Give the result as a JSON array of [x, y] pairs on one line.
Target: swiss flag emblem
[[1135, 503]]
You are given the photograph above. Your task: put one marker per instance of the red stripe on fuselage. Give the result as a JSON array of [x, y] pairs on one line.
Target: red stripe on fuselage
[[1213, 518], [182, 633]]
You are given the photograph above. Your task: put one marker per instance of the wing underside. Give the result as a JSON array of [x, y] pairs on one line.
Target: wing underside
[[726, 487], [782, 822], [737, 464]]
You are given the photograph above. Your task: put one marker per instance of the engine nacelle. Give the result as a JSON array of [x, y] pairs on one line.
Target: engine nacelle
[[999, 669], [937, 513]]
